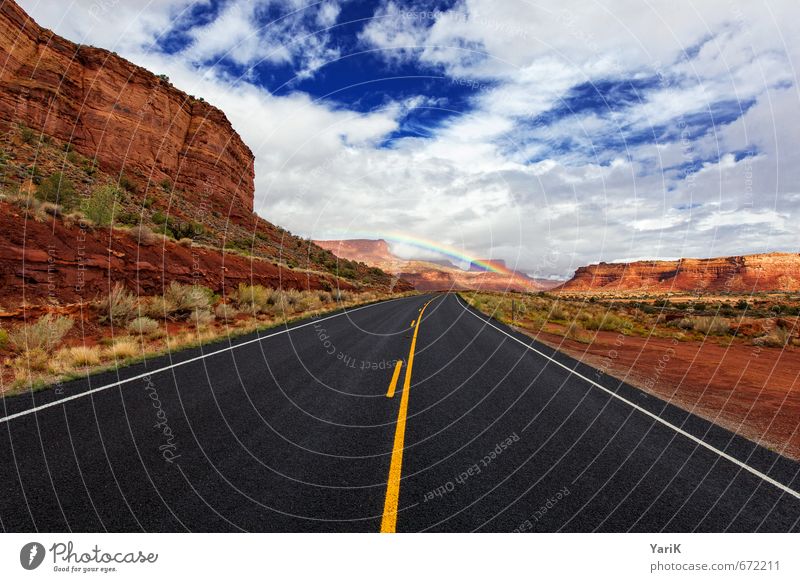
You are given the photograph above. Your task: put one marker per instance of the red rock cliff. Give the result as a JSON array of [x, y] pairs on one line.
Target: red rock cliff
[[749, 273], [122, 115]]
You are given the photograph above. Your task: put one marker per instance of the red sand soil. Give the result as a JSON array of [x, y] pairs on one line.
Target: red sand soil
[[751, 390]]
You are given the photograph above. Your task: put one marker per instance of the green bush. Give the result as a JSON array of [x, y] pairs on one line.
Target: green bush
[[57, 189], [3, 339], [99, 207], [127, 184], [28, 135]]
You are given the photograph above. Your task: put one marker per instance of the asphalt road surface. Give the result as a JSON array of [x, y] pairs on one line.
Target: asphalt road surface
[[294, 431]]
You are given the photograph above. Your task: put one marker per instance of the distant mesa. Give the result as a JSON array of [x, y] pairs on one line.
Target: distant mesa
[[436, 275], [735, 274]]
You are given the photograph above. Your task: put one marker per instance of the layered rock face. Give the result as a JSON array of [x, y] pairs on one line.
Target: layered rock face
[[125, 117], [741, 274], [432, 275]]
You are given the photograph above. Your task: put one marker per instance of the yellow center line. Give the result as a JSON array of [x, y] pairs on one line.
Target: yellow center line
[[413, 321], [395, 376], [389, 521]]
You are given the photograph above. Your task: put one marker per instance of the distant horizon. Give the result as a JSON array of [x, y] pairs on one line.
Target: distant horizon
[[553, 277]]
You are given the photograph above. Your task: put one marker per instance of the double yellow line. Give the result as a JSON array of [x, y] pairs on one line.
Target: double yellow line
[[389, 521]]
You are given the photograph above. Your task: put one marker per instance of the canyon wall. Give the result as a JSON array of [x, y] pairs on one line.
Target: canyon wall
[[123, 116]]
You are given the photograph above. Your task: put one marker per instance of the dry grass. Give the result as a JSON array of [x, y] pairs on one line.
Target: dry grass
[[123, 349], [77, 357]]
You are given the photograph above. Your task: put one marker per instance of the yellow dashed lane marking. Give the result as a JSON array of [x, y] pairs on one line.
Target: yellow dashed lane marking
[[395, 376]]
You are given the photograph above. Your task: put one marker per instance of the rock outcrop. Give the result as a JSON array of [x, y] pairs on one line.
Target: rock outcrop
[[128, 119], [738, 274]]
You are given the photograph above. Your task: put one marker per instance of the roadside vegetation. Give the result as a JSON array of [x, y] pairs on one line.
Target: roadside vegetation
[[123, 328], [762, 320]]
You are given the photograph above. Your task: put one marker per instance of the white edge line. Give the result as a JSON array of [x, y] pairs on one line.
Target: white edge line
[[184, 362], [679, 430]]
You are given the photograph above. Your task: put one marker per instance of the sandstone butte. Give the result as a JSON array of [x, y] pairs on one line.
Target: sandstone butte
[[432, 275], [127, 118], [738, 274]]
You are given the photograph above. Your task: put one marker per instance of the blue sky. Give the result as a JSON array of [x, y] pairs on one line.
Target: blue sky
[[548, 134]]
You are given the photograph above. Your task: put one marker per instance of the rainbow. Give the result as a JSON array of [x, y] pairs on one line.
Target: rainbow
[[439, 248]]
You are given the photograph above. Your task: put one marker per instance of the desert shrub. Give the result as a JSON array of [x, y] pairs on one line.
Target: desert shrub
[[3, 339], [607, 322], [777, 337], [225, 312], [574, 331], [74, 218], [143, 235], [53, 210], [143, 326], [99, 207], [253, 298], [324, 296], [706, 325], [57, 189], [119, 306], [341, 296], [43, 335], [27, 134], [201, 317], [557, 312], [124, 348], [185, 299], [157, 307], [186, 242], [126, 183]]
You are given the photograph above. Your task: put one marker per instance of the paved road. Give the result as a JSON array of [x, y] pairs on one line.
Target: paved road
[[295, 432]]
